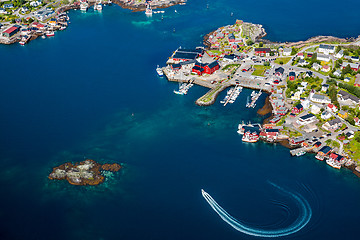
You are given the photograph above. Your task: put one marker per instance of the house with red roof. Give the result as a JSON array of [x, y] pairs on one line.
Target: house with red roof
[[357, 121], [11, 31], [332, 108], [297, 109]]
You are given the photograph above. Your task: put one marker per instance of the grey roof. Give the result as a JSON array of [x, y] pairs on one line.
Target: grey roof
[[352, 65], [319, 96], [307, 116], [347, 96], [334, 122], [327, 47]]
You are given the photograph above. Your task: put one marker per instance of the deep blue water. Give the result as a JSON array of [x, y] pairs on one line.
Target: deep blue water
[[92, 92]]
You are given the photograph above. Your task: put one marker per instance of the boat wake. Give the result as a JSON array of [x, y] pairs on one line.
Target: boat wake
[[303, 218]]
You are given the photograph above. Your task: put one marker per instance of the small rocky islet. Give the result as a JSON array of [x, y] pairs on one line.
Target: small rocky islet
[[88, 172]]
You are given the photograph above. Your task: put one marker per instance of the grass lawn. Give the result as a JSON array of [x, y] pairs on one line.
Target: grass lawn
[[353, 149], [260, 70], [208, 96], [285, 60], [230, 66]]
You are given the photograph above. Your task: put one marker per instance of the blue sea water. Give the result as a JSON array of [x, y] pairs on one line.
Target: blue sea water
[[92, 92]]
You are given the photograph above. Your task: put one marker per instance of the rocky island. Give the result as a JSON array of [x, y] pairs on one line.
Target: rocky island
[[87, 172]]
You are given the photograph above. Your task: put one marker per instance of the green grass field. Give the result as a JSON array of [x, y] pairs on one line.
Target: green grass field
[[260, 70], [285, 60]]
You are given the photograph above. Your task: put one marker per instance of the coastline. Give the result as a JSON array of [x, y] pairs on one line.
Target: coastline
[[64, 9], [142, 7]]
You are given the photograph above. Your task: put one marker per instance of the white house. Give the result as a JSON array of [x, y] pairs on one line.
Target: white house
[[304, 84], [332, 125], [340, 54], [324, 87], [326, 49], [2, 11], [24, 10], [337, 73], [316, 66], [35, 3], [296, 96], [315, 109], [287, 51], [306, 104], [302, 62], [323, 57], [347, 79], [325, 115], [319, 98], [306, 119]]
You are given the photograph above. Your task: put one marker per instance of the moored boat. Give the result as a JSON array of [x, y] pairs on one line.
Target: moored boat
[[148, 10], [159, 71], [250, 137], [50, 33], [300, 153]]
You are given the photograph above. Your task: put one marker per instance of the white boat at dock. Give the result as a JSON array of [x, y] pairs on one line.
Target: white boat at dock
[[99, 6], [231, 95], [183, 88], [84, 6], [159, 71], [254, 97], [300, 153], [148, 11], [50, 33]]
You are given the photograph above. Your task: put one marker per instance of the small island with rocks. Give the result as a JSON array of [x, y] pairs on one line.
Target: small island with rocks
[[87, 172]]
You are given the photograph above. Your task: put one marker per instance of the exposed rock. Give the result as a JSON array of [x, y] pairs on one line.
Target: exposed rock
[[84, 173]]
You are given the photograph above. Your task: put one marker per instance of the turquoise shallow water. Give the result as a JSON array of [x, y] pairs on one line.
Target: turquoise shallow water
[[92, 92]]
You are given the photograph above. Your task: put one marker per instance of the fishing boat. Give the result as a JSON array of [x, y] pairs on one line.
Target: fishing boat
[[99, 7], [300, 153], [50, 33], [148, 11], [159, 71], [84, 6], [250, 137]]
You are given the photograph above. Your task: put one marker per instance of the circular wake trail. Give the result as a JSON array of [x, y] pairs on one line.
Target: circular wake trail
[[303, 218]]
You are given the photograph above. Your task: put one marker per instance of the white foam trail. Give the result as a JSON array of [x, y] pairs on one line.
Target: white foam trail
[[303, 218]]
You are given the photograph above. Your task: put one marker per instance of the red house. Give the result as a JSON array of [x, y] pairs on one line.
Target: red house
[[198, 70], [270, 134], [292, 76], [296, 141], [297, 109], [262, 51], [212, 67], [201, 68]]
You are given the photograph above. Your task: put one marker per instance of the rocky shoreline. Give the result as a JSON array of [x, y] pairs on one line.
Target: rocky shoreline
[[87, 172], [142, 7]]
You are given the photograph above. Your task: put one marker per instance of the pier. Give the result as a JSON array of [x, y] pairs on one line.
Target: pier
[[217, 83]]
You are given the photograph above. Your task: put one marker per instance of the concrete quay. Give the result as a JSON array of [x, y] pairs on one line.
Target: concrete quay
[[215, 84]]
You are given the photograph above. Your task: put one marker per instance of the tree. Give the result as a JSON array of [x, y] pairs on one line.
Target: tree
[[338, 48], [249, 42], [293, 51], [261, 44], [347, 70], [281, 62], [314, 57], [266, 63]]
